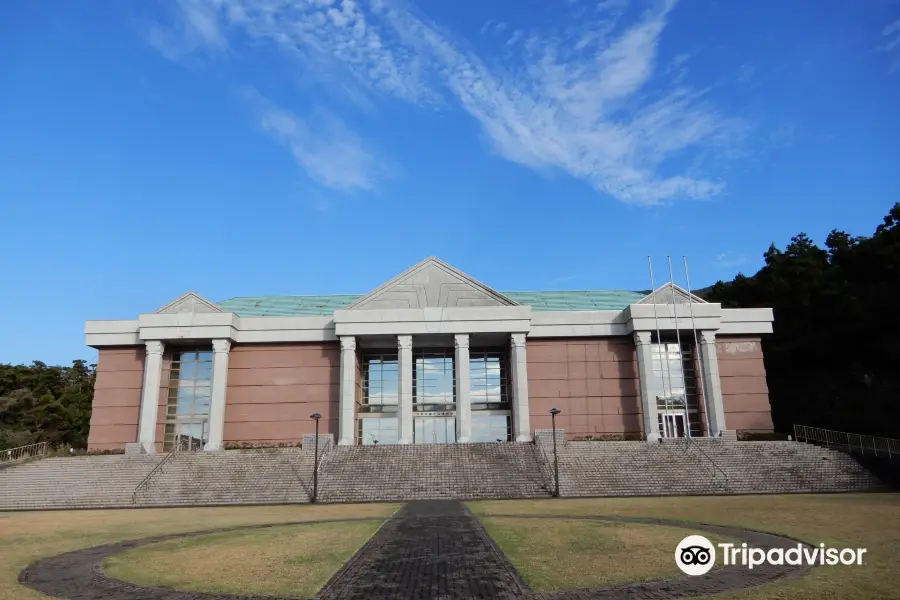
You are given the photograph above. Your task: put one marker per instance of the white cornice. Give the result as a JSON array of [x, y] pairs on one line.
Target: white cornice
[[500, 319]]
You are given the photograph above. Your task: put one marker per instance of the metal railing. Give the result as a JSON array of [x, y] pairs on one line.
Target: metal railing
[[145, 482], [854, 442], [38, 450]]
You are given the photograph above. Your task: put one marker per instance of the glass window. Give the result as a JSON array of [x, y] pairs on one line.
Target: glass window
[[378, 431], [380, 383], [434, 430], [490, 428], [676, 378], [487, 380], [434, 383], [188, 399], [190, 383]]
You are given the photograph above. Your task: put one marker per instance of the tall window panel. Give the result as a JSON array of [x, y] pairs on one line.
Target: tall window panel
[[380, 397], [380, 383], [189, 395], [676, 377], [434, 383], [489, 393]]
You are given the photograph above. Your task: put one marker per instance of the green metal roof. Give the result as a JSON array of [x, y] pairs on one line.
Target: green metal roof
[[288, 306]]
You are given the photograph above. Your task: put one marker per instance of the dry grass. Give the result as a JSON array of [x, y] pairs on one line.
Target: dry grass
[[26, 537], [869, 521], [290, 560], [569, 554]]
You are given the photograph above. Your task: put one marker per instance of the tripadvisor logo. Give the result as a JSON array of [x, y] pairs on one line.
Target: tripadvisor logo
[[696, 555]]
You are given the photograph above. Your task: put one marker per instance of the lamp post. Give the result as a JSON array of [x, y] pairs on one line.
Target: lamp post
[[315, 417], [553, 413]]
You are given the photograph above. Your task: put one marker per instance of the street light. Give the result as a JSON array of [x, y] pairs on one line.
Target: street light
[[553, 413], [315, 417]]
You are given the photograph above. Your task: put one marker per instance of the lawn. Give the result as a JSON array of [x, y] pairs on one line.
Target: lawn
[[26, 537], [555, 554], [287, 560], [869, 521]]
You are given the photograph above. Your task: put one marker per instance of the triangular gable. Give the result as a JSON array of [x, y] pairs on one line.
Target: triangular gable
[[432, 283], [663, 295], [189, 303]]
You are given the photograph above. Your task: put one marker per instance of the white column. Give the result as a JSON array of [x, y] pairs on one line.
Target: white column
[[405, 373], [649, 384], [712, 386], [519, 367], [150, 396], [347, 414], [463, 397], [219, 389]]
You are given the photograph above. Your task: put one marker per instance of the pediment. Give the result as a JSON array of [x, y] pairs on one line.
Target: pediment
[[189, 303], [665, 293], [432, 283]]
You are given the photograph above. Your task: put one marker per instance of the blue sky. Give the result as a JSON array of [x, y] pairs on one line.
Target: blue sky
[[251, 147]]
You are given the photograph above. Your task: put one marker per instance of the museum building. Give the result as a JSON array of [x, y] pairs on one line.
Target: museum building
[[431, 356]]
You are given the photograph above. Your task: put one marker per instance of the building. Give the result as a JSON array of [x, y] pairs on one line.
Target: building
[[431, 356]]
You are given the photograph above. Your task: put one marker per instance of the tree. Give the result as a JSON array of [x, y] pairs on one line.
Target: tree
[[40, 403], [833, 358]]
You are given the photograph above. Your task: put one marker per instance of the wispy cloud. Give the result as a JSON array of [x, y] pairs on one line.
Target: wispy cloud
[[730, 259], [891, 43], [586, 98], [321, 144]]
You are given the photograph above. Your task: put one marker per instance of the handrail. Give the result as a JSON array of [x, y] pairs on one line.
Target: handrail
[[850, 441], [22, 452], [145, 482], [710, 459], [686, 443]]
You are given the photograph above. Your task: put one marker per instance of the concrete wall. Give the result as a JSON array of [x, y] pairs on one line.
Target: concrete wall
[[745, 394], [593, 381], [117, 398], [273, 388]]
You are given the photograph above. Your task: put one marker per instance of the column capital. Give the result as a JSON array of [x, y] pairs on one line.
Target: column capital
[[404, 342], [708, 336], [154, 347], [348, 342], [461, 340], [517, 340], [223, 345], [642, 338]]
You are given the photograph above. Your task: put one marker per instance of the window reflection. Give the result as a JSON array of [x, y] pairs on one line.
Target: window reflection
[[434, 385], [487, 380], [189, 397], [435, 430], [380, 383], [378, 431], [490, 428]]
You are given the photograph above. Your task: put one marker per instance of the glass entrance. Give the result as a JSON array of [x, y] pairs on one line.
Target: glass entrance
[[674, 424], [434, 430]]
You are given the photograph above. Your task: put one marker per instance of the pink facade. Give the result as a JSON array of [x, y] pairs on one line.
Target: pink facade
[[117, 398], [745, 395], [274, 388], [593, 381]]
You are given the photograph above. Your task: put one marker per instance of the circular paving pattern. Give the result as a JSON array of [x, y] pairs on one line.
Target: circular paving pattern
[[428, 550]]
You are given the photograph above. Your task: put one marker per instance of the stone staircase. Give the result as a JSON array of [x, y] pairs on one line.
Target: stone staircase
[[432, 471], [73, 482], [260, 476], [409, 472], [705, 466]]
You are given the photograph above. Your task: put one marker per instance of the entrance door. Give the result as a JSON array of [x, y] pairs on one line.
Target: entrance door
[[434, 430], [674, 425]]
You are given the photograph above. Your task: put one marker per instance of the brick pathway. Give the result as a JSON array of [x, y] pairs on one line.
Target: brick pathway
[[430, 550]]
